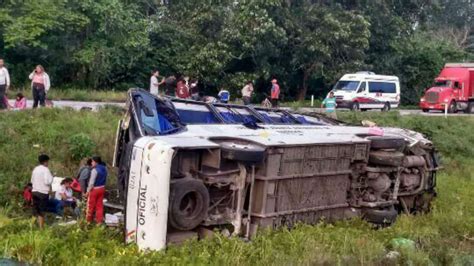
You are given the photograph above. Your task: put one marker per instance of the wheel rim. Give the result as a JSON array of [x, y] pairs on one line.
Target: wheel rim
[[188, 204]]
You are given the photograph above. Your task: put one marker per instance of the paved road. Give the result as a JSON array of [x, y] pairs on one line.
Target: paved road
[[403, 112], [77, 105]]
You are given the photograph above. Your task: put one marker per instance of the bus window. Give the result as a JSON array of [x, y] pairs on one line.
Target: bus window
[[382, 87]]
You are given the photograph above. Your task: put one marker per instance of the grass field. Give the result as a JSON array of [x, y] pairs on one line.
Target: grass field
[[444, 236], [73, 94]]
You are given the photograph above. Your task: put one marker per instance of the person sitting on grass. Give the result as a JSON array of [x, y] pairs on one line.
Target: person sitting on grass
[[65, 198], [20, 102]]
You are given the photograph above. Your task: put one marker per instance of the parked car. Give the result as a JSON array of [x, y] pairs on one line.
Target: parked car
[[366, 90], [453, 90], [185, 166]]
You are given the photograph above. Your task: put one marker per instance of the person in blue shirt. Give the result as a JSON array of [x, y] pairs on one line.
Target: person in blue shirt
[[330, 104], [224, 96]]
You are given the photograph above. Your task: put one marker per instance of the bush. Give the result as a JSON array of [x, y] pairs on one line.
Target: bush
[[80, 146]]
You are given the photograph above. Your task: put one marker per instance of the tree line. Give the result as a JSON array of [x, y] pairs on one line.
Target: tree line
[[306, 44]]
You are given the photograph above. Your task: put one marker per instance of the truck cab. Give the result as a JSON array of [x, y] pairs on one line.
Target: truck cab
[[452, 90]]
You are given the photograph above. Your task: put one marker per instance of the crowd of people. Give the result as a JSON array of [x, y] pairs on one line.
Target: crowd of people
[[40, 84], [185, 88], [88, 185]]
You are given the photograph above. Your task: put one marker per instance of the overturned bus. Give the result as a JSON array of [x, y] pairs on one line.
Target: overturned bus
[[185, 165]]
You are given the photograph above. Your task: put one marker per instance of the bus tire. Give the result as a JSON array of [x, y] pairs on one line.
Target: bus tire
[[386, 158], [189, 203], [242, 152], [386, 107], [386, 143]]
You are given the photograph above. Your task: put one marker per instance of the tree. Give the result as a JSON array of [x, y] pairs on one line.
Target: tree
[[323, 42], [417, 62]]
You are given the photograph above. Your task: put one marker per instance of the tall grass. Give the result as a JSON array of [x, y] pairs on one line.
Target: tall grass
[[26, 134], [444, 236]]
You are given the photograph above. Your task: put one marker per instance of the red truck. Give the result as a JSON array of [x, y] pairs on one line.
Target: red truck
[[453, 88]]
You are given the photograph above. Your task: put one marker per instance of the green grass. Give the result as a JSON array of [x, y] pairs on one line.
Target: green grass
[[75, 94], [444, 236]]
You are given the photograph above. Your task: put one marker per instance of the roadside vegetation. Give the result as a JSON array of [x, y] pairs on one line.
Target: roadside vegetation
[[444, 236], [75, 94], [307, 45]]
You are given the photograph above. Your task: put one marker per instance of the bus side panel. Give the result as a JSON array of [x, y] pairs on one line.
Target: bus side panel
[[153, 196], [132, 195]]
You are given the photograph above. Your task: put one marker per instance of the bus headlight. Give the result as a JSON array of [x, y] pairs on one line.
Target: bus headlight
[[422, 99]]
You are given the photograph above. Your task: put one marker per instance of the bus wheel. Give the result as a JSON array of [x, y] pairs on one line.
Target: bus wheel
[[386, 107], [355, 106], [426, 110]]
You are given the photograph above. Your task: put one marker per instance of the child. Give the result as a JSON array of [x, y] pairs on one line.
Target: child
[[20, 102]]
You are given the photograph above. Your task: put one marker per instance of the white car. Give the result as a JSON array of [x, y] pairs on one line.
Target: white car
[[187, 166], [366, 90]]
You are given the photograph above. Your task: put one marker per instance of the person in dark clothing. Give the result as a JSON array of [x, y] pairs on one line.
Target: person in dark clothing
[[84, 174], [4, 84]]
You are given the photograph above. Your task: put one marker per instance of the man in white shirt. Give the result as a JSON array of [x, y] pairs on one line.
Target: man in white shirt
[[247, 91], [4, 83], [154, 84], [41, 179]]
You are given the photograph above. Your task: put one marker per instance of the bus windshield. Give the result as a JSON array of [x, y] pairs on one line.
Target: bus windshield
[[346, 85]]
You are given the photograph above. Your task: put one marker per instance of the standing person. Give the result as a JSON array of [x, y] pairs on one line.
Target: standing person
[[20, 102], [170, 85], [84, 174], [330, 104], [41, 180], [154, 84], [4, 83], [247, 91], [182, 90], [275, 93], [194, 90], [96, 191], [40, 85], [224, 96]]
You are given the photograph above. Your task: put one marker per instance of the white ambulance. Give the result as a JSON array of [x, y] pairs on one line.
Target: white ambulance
[[366, 90]]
